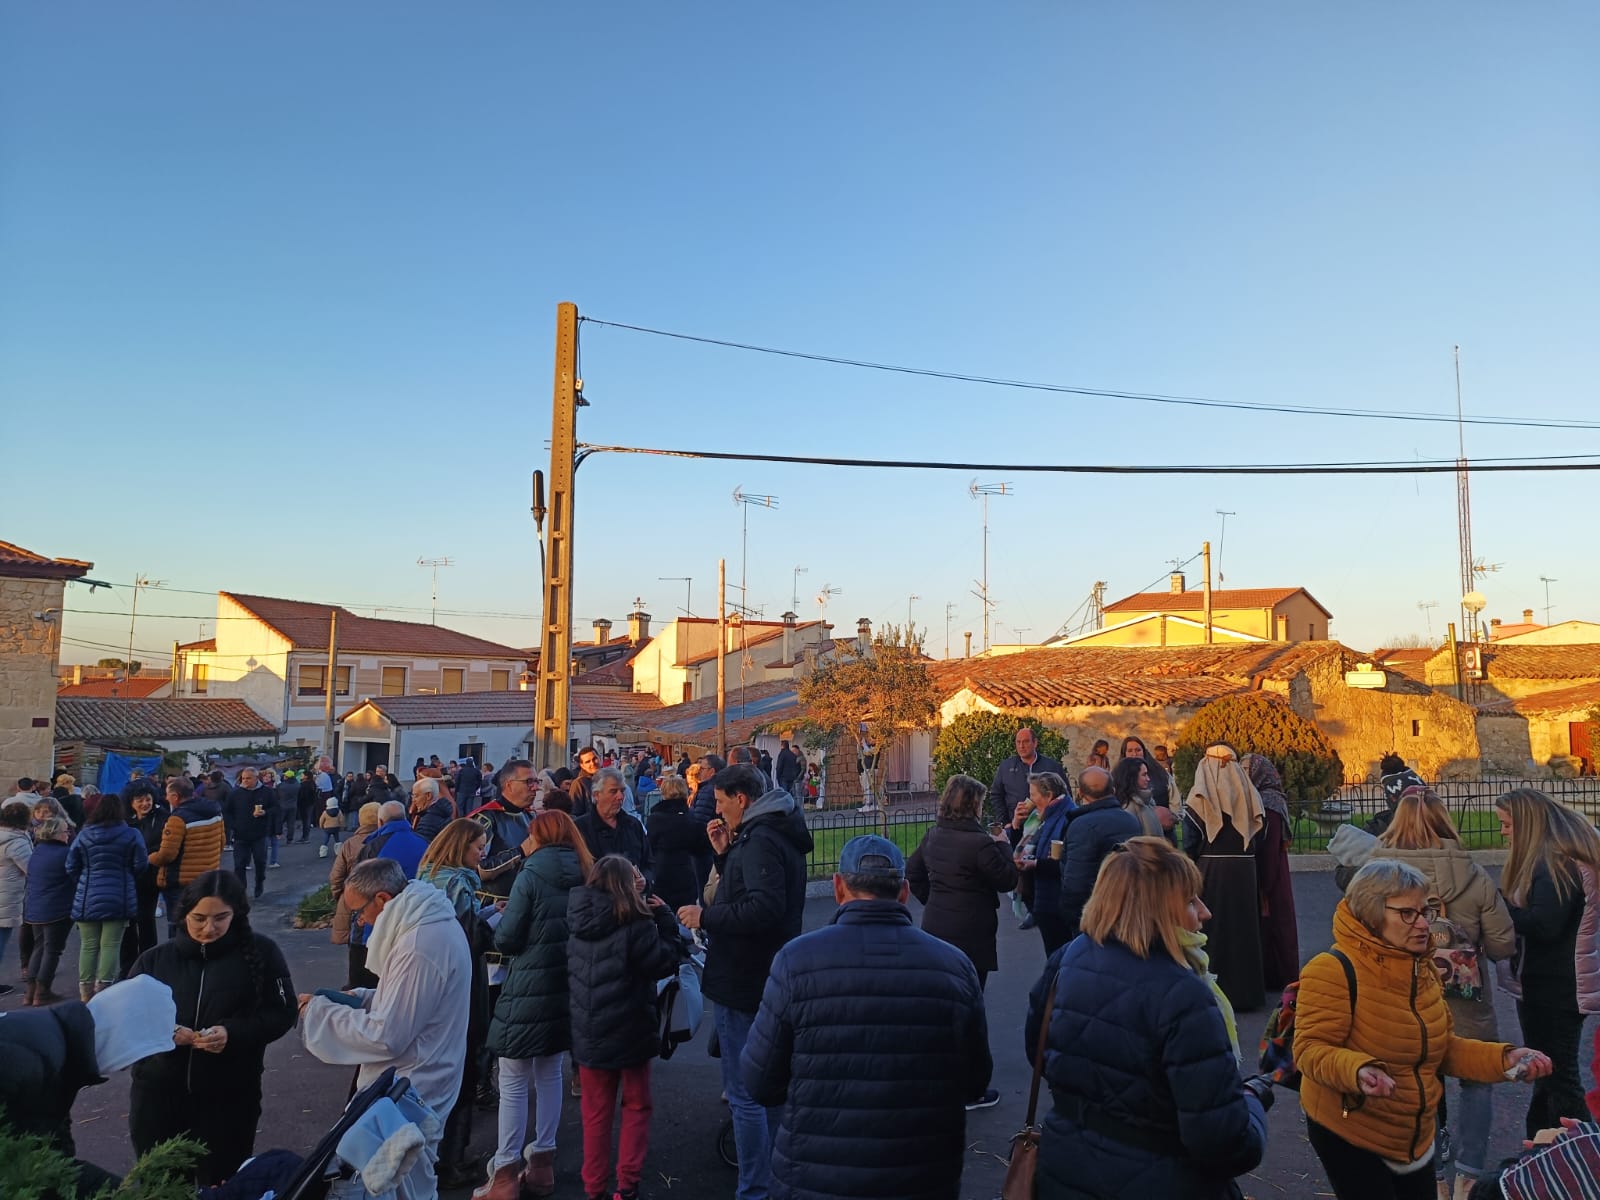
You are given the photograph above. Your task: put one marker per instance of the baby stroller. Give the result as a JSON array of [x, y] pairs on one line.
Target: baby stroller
[[286, 1176]]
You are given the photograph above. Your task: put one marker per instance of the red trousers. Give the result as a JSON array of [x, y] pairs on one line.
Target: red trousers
[[599, 1110]]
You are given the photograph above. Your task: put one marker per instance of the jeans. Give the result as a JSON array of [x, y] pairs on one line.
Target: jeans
[[1357, 1174], [5, 940], [599, 1111], [330, 837], [246, 851], [1475, 1113], [753, 1124], [1555, 1032], [516, 1076], [99, 951], [272, 849], [49, 940]]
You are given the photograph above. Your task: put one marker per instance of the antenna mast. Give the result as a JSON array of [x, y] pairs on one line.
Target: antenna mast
[[1469, 619], [435, 563]]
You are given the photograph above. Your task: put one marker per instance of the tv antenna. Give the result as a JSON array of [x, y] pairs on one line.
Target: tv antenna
[[1426, 607], [827, 593], [1469, 617], [745, 499], [435, 563], [688, 589], [794, 596], [139, 581], [1222, 540], [985, 490], [1547, 581]]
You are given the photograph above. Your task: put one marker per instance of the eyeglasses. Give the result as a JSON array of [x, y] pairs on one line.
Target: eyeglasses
[[1410, 915]]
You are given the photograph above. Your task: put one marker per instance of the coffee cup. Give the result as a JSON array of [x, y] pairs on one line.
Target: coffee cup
[[997, 829], [1055, 849]]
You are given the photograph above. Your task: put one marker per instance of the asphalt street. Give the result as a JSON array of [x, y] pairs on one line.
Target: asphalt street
[[302, 1097]]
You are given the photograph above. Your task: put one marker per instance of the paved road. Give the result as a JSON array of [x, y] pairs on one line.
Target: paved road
[[303, 1097]]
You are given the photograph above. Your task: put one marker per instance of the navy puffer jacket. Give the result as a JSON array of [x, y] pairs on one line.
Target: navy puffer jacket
[[612, 968], [49, 894], [871, 1036], [1091, 832], [1140, 1043], [105, 861], [532, 1017]]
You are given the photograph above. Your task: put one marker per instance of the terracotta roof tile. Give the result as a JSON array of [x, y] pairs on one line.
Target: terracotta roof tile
[[20, 563], [505, 708], [306, 626], [203, 644], [1194, 600], [1559, 700], [617, 674], [610, 704], [99, 720], [137, 688], [1580, 661], [1093, 676], [695, 723]]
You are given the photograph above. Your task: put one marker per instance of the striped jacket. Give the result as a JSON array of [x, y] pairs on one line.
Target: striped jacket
[[191, 843]]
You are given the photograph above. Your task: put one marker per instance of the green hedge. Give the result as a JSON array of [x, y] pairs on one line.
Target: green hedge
[[1257, 723]]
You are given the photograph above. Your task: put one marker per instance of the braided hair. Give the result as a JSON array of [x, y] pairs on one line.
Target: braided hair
[[225, 886]]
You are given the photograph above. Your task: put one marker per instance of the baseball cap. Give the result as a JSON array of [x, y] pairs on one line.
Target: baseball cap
[[871, 854]]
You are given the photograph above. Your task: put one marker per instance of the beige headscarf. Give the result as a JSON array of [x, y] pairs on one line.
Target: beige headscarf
[[1221, 786]]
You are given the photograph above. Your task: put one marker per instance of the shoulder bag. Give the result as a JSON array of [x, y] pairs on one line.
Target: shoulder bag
[[1024, 1161]]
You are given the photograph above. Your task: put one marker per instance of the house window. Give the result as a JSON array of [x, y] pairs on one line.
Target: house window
[[452, 680], [199, 678], [394, 681], [313, 681], [688, 691], [500, 681], [1416, 729]]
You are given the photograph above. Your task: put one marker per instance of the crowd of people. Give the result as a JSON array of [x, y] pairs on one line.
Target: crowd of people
[[506, 925]]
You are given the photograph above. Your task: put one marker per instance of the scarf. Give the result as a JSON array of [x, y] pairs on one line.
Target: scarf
[[1194, 950], [1221, 786], [1268, 783]]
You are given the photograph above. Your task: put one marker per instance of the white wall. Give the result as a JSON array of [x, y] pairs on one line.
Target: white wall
[[194, 747], [500, 742]]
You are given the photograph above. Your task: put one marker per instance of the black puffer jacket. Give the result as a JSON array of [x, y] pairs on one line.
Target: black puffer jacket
[[677, 843], [46, 1056], [1091, 833], [958, 873], [759, 902], [613, 968], [532, 1017], [626, 838], [241, 807], [218, 984], [871, 1035]]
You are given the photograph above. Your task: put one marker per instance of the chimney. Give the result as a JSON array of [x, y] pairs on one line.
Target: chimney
[[863, 635], [1175, 583], [789, 619], [77, 673], [1527, 616], [527, 681], [638, 627], [602, 631], [1494, 625], [967, 653]]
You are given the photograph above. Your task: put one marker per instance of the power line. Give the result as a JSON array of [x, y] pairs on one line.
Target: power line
[[1370, 414], [1544, 463]]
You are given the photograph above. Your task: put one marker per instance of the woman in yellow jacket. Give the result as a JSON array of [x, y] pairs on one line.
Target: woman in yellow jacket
[[1371, 1064]]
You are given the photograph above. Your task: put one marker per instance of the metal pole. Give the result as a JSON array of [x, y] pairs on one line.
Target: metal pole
[[555, 646], [722, 658], [330, 685], [127, 665], [985, 572], [1455, 660], [1205, 552]]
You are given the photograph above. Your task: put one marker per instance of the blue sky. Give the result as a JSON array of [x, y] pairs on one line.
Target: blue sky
[[278, 289]]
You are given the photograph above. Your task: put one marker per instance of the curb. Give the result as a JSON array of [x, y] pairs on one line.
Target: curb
[[1304, 863]]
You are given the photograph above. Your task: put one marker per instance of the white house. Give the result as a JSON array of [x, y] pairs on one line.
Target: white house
[[92, 726], [273, 654], [679, 664]]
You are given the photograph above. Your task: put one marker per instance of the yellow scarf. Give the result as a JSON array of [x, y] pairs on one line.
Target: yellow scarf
[[1194, 949]]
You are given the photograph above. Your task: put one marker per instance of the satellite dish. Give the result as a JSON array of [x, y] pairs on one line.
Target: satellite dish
[[1474, 602]]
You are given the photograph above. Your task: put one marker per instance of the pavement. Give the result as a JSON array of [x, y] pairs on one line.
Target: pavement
[[303, 1097]]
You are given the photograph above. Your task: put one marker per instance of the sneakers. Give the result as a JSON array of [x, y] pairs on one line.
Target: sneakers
[[988, 1100], [1027, 922], [322, 851], [273, 866]]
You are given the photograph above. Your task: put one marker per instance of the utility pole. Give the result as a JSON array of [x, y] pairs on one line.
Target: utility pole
[[688, 589], [331, 685], [1097, 604], [555, 645], [949, 612], [435, 563], [1205, 600], [722, 659], [976, 489]]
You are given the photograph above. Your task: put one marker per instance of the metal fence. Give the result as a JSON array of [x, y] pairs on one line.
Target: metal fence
[[830, 830], [1471, 803]]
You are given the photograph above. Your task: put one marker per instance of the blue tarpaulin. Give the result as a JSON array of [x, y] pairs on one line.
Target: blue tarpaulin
[[117, 768]]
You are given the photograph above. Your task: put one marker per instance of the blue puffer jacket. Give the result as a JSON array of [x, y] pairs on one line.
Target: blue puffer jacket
[[49, 894], [1140, 1043], [1091, 832], [871, 1035], [104, 861]]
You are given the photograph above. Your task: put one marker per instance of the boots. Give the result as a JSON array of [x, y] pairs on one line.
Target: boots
[[539, 1177], [502, 1184], [102, 984], [85, 990], [44, 997]]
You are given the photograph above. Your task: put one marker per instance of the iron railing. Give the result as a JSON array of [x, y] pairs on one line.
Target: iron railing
[[831, 829]]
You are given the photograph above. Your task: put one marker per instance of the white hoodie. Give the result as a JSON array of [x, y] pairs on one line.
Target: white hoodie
[[416, 1018]]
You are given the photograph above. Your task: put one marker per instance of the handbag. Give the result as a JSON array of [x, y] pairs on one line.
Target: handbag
[[1455, 958], [1023, 1162], [680, 1007]]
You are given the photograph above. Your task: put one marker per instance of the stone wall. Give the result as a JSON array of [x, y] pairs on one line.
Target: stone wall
[[1435, 733], [1506, 744], [28, 655]]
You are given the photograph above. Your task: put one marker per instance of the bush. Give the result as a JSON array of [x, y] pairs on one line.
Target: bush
[[33, 1169], [977, 743], [315, 910], [1261, 724]]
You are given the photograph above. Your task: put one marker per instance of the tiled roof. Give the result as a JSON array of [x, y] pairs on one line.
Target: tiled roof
[[18, 563], [695, 723], [203, 644], [1542, 662], [1409, 661], [1580, 698], [609, 703], [306, 626], [96, 720], [617, 674], [1193, 600], [1098, 676], [1497, 632], [505, 708], [137, 688]]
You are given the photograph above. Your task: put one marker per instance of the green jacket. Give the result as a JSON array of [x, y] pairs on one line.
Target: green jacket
[[533, 1018]]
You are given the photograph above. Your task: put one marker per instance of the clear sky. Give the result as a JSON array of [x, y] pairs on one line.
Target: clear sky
[[278, 288]]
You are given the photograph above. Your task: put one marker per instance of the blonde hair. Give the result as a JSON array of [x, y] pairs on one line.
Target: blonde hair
[[449, 848], [64, 780], [1139, 897], [1421, 822], [1545, 833], [673, 788]]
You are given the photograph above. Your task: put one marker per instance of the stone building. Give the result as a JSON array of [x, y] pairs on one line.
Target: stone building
[[1513, 670], [1546, 732], [31, 590], [1093, 692]]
